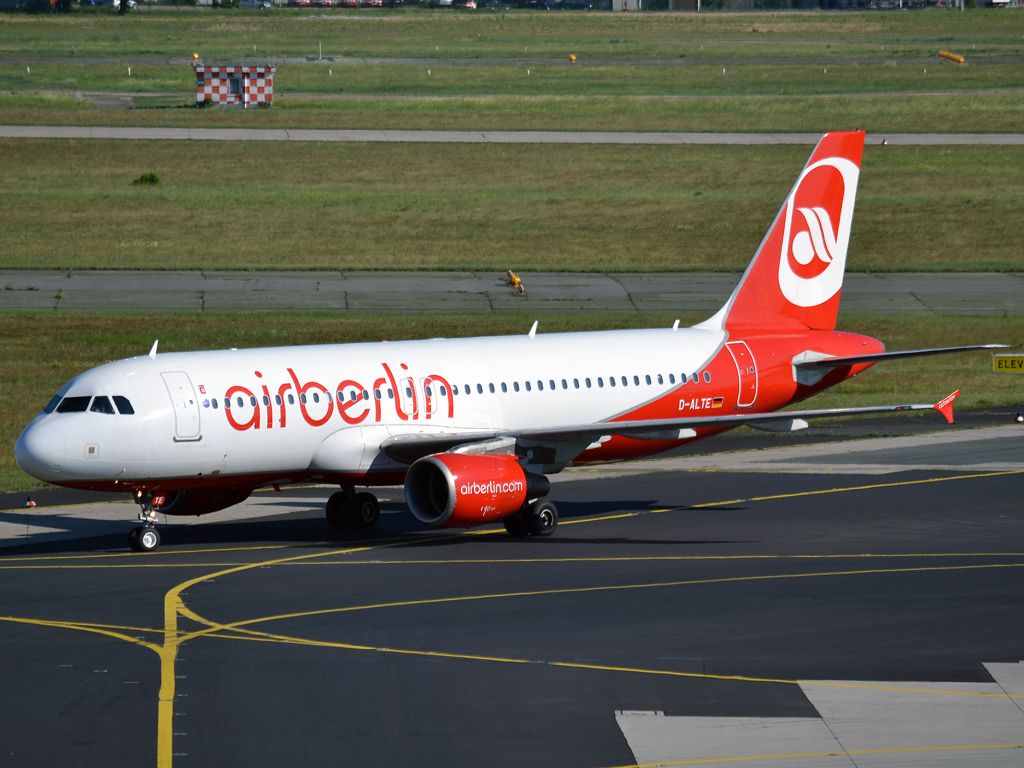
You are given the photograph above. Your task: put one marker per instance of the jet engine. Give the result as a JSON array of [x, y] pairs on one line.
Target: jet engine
[[453, 490], [196, 502]]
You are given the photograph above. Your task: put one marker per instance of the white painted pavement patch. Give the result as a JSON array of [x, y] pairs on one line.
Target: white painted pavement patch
[[483, 137], [863, 724]]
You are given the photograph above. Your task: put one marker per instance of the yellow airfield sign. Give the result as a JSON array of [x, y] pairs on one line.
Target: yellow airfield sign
[[1008, 363]]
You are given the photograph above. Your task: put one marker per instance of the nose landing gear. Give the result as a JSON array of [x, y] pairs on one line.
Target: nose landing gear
[[145, 538]]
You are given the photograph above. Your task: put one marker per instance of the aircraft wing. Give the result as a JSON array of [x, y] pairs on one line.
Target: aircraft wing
[[878, 357], [408, 448]]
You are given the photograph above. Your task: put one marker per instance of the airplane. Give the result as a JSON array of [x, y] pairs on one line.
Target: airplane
[[473, 426]]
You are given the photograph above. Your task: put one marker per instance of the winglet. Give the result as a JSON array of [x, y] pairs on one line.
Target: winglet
[[533, 330], [152, 351], [945, 406]]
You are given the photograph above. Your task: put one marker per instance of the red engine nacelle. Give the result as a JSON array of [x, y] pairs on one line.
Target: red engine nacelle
[[453, 490]]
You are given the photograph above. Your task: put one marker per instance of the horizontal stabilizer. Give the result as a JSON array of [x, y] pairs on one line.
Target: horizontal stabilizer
[[878, 357]]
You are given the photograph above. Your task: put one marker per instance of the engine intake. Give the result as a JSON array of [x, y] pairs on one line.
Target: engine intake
[[451, 490]]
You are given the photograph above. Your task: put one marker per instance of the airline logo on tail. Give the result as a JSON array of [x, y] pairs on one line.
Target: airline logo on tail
[[819, 214]]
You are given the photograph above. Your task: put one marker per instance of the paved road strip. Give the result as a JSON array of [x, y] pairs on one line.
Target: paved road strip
[[482, 137]]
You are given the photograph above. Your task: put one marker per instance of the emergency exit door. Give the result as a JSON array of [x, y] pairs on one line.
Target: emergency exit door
[[747, 370], [186, 405]]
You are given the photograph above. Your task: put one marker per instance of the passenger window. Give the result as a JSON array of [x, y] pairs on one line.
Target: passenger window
[[316, 398], [611, 381], [647, 378], [52, 405], [564, 385], [291, 400], [252, 401], [600, 381], [227, 402], [391, 394], [444, 392], [212, 402], [672, 378], [455, 389], [576, 383], [102, 404], [328, 396], [695, 378], [302, 398], [540, 385], [125, 408], [479, 389], [527, 386], [427, 390], [376, 393], [466, 389], [366, 395], [588, 383], [408, 392], [636, 380], [515, 385], [660, 380], [551, 383], [266, 400], [503, 387], [707, 377], [624, 381], [491, 388], [240, 401], [277, 399], [73, 404]]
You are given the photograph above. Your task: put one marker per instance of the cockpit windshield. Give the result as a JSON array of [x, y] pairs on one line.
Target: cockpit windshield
[[73, 404], [80, 403]]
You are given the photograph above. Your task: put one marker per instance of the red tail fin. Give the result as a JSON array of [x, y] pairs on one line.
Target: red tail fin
[[795, 278]]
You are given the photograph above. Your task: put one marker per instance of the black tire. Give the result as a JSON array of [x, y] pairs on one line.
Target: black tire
[[515, 524], [133, 539], [363, 511], [147, 539], [543, 519], [336, 515]]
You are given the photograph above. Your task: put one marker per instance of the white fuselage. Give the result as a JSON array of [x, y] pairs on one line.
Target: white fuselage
[[305, 422]]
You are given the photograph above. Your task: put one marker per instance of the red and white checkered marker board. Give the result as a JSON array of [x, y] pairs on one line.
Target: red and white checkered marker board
[[213, 84]]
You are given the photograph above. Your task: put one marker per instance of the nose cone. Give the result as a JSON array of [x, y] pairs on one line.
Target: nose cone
[[40, 450]]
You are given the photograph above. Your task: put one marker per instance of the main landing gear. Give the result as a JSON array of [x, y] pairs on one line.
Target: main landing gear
[[145, 538], [537, 518], [348, 509]]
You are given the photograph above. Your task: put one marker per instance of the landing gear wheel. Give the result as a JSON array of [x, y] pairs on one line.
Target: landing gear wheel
[[363, 511], [515, 524], [144, 539], [542, 519], [336, 511]]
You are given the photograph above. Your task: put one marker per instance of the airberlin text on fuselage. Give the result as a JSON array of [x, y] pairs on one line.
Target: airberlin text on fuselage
[[350, 399]]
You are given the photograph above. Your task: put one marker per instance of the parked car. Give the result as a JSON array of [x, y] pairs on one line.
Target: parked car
[[464, 4], [439, 3], [299, 3], [373, 3], [88, 2], [497, 4], [256, 4], [322, 3], [348, 3]]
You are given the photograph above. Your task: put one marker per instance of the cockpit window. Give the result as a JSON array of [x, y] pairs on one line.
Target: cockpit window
[[123, 406], [73, 404], [52, 405], [101, 404]]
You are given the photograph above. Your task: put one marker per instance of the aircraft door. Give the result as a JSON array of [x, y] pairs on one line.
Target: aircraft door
[[746, 367], [407, 397], [186, 405]]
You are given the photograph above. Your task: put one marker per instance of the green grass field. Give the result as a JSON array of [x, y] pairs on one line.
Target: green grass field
[[227, 205], [40, 352], [443, 34]]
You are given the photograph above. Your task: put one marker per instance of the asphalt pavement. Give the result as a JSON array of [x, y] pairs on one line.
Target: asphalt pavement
[[960, 293], [483, 137], [742, 616]]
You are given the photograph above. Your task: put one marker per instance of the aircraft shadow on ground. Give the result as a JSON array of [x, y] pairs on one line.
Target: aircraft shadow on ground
[[301, 523]]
